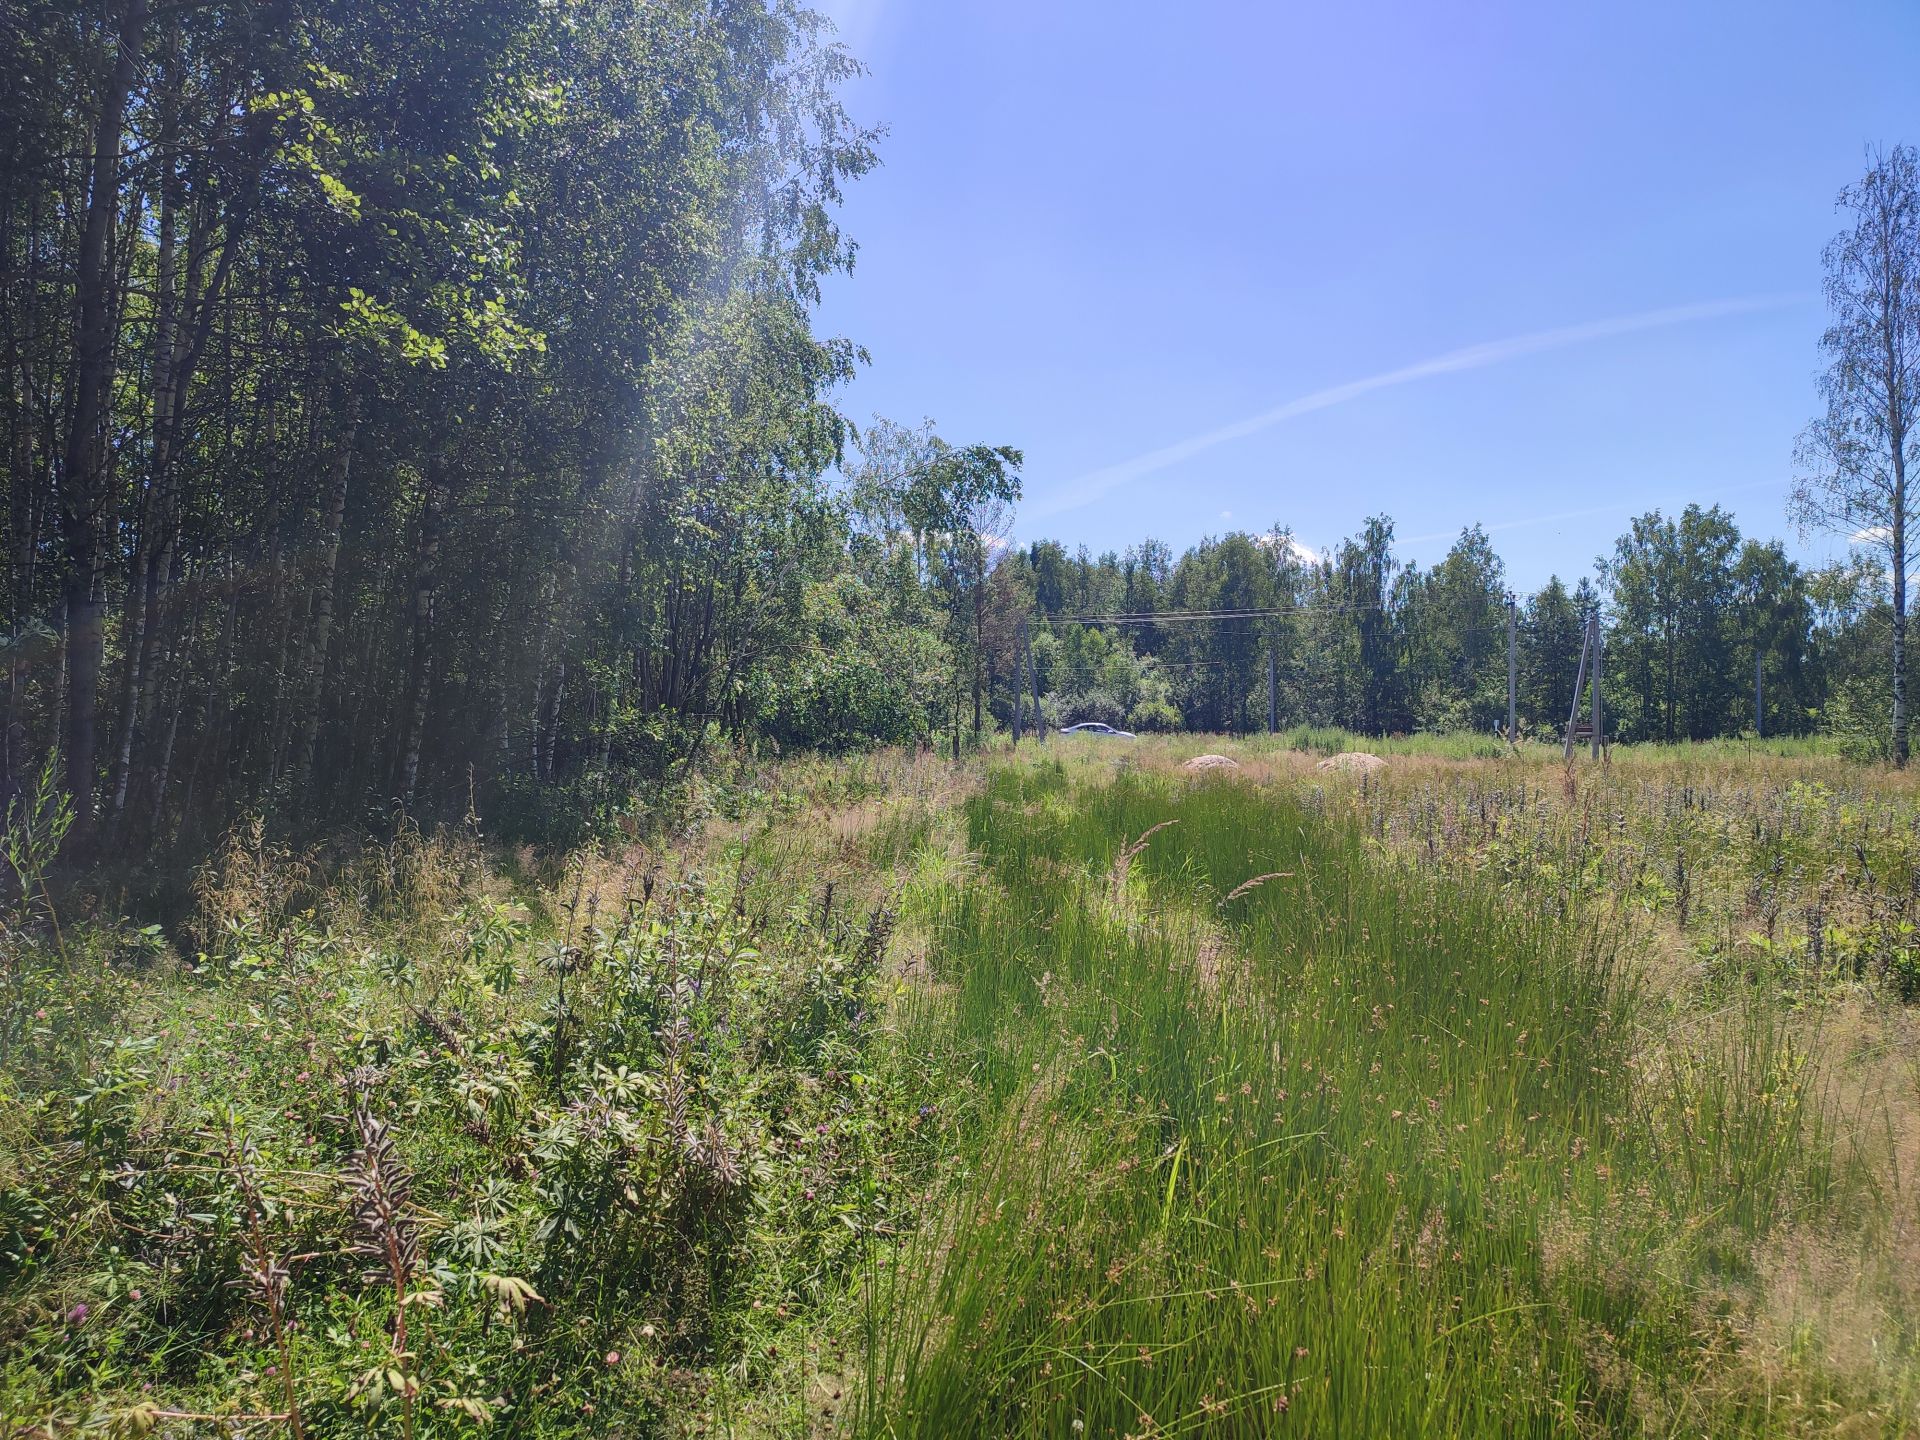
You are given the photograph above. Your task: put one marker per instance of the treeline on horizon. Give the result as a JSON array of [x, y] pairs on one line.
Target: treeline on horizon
[[415, 418], [1364, 641]]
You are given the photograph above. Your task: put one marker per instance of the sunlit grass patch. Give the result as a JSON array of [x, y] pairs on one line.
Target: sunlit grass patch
[[1404, 1167]]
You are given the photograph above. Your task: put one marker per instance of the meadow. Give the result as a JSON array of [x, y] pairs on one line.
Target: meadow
[[1066, 1091]]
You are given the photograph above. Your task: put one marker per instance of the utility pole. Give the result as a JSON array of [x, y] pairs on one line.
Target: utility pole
[[1579, 683], [1273, 694], [1513, 670], [1594, 622], [1018, 688], [1033, 673], [1759, 696]]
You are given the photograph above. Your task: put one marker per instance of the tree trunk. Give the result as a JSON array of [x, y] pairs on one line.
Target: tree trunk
[[1899, 557], [425, 579], [320, 633], [979, 634], [141, 591], [547, 724], [85, 475], [164, 765], [24, 510], [173, 357]]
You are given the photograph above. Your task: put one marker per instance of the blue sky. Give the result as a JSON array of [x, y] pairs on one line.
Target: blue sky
[[1534, 265]]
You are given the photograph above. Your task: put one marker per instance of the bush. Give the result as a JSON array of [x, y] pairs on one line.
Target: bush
[[503, 1156], [1154, 715], [1858, 716], [850, 703], [1086, 705]]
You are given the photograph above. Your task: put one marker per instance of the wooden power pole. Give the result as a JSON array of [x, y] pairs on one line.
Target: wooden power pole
[[1593, 623], [1589, 664], [1513, 672], [1039, 716], [1019, 697]]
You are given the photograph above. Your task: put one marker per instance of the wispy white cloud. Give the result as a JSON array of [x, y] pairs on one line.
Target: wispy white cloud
[[1092, 486]]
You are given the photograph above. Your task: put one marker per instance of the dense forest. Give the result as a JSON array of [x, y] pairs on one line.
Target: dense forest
[[1361, 640], [429, 413], [403, 400]]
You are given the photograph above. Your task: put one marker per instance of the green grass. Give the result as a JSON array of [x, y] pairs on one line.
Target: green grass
[[1280, 1102], [1373, 1156]]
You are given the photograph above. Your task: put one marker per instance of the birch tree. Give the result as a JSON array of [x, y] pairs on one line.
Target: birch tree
[[1854, 460]]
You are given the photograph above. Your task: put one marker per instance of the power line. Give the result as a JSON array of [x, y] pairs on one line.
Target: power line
[[1180, 617], [1208, 616]]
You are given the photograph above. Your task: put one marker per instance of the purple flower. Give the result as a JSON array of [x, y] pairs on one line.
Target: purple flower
[[77, 1314]]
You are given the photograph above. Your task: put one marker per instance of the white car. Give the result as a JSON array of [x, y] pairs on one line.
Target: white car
[[1094, 727]]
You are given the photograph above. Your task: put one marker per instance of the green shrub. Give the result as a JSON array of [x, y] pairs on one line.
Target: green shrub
[[1154, 716]]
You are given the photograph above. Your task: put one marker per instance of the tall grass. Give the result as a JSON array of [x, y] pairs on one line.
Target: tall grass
[[1294, 1101], [1342, 1151]]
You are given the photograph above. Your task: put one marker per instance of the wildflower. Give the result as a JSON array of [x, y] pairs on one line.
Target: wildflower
[[77, 1314], [613, 1357]]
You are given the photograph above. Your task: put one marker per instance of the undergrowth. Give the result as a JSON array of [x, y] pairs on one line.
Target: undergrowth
[[382, 1146]]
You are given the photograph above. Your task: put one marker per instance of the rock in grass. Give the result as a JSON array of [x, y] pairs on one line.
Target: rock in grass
[[1352, 762], [1201, 763]]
